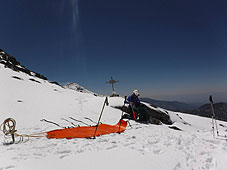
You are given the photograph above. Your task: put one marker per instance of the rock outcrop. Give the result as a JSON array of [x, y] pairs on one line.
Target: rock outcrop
[[10, 62], [148, 114]]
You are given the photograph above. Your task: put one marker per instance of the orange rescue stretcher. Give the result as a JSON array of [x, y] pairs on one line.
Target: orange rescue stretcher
[[87, 131]]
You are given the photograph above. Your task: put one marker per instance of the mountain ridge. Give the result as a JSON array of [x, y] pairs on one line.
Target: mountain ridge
[[220, 110], [170, 105], [204, 110], [11, 62]]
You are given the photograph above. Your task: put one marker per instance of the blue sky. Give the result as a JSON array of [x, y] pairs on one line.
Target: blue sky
[[169, 50]]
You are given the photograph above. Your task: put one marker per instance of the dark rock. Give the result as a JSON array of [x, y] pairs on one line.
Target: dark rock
[[149, 115], [175, 128], [155, 121], [10, 62], [40, 76], [114, 95], [18, 78], [54, 82], [35, 80]]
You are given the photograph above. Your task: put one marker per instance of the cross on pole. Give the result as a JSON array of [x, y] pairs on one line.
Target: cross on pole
[[112, 82]]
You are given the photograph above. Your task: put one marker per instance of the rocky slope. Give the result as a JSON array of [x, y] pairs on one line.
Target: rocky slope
[[10, 62]]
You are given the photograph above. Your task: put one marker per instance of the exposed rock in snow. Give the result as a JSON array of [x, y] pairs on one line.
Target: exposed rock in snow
[[149, 114], [10, 62]]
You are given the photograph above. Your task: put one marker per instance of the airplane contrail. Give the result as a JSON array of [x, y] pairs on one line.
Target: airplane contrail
[[75, 17]]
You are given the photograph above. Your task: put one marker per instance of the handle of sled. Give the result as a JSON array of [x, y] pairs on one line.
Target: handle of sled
[[133, 112], [211, 99], [122, 115], [105, 103]]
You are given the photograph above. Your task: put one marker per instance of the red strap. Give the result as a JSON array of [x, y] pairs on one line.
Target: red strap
[[134, 115]]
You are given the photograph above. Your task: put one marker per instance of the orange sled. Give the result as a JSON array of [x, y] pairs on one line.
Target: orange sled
[[87, 131]]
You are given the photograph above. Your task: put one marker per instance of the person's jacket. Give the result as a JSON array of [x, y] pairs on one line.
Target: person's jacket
[[134, 99]]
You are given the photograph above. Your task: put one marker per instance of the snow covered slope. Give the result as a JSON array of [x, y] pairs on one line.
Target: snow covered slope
[[29, 99], [77, 87]]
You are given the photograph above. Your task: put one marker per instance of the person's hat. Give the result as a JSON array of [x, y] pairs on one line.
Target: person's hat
[[136, 92]]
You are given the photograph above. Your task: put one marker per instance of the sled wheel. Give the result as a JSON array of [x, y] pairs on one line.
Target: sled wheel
[[9, 126]]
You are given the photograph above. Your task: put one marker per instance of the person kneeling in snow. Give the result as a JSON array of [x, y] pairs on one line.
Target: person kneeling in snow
[[133, 102], [140, 112], [136, 109]]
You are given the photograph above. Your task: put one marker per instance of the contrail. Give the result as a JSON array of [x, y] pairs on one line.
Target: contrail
[[75, 10], [77, 35]]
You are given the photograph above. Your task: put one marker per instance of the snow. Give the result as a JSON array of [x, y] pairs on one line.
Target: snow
[[77, 87], [139, 147], [19, 66]]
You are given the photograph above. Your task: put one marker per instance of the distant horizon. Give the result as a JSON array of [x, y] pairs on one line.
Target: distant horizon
[[174, 96], [203, 97], [168, 50]]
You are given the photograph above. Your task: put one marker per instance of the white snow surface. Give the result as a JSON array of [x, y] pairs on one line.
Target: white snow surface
[[141, 146], [77, 87]]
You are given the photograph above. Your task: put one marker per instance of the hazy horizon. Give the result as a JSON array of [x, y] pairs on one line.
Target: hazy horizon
[[168, 50]]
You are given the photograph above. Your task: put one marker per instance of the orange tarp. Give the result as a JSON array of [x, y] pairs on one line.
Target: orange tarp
[[87, 131]]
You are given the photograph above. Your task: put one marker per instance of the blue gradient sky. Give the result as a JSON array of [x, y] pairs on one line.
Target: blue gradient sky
[[171, 50]]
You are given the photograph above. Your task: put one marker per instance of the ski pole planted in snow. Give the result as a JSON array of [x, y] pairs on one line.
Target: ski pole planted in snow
[[213, 116], [122, 115], [105, 103]]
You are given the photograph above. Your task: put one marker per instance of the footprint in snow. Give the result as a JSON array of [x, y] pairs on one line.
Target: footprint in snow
[[209, 160], [177, 167], [63, 156], [210, 163], [64, 152], [8, 149], [204, 153], [114, 146], [7, 167], [158, 151], [38, 154]]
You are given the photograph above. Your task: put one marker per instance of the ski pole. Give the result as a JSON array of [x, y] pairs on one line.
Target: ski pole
[[213, 115], [122, 115], [105, 103], [211, 101]]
